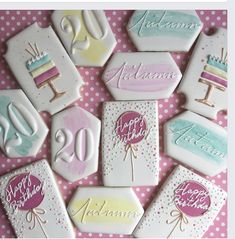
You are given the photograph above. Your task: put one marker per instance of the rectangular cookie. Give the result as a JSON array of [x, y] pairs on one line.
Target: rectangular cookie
[[185, 207], [130, 143], [33, 203]]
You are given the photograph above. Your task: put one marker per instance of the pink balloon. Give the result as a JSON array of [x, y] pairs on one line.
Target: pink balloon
[[131, 127], [192, 198], [24, 192]]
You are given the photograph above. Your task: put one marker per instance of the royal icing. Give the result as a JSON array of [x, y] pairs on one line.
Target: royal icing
[[206, 92], [84, 32], [33, 203], [43, 68], [101, 209], [22, 130], [185, 207], [130, 143], [164, 30], [141, 75], [197, 142], [75, 143]]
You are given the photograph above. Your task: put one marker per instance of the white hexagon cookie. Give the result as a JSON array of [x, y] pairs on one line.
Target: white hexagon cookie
[[197, 142], [105, 210], [75, 137], [22, 130], [141, 75], [86, 35], [164, 30], [43, 68]]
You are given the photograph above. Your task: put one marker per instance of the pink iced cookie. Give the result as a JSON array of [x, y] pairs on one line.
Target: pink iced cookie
[[141, 76]]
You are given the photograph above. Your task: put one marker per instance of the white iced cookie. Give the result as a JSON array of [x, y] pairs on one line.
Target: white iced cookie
[[164, 30], [105, 210], [141, 75], [43, 68], [75, 136], [86, 35], [22, 130], [130, 143], [197, 142], [206, 91], [185, 207], [33, 203]]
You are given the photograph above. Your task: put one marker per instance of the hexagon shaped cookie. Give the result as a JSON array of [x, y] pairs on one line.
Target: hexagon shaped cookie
[[141, 75], [105, 210], [75, 137], [196, 142], [164, 30], [84, 32], [22, 130]]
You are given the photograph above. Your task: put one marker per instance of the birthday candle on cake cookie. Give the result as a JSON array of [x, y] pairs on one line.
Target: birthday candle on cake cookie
[[43, 69]]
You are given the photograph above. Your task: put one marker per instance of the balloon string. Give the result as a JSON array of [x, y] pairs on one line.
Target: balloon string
[[35, 216], [179, 218], [132, 149]]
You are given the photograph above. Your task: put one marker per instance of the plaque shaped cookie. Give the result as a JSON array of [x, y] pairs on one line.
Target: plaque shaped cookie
[[130, 143], [86, 35], [22, 130], [75, 137], [206, 91], [141, 76], [33, 203], [105, 210], [197, 142], [185, 207], [164, 30], [43, 68]]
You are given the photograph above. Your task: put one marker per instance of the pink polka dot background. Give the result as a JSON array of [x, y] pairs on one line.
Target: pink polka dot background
[[94, 93]]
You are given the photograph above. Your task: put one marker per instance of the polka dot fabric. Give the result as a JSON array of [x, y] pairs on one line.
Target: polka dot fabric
[[94, 93]]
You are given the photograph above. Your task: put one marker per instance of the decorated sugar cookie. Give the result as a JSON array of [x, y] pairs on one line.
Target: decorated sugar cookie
[[141, 75], [101, 209], [164, 30], [43, 68], [86, 35], [130, 143], [197, 142], [75, 137], [185, 207], [22, 130], [33, 203], [206, 91]]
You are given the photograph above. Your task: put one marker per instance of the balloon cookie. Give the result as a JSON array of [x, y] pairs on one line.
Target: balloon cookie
[[185, 207], [33, 203], [130, 143]]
